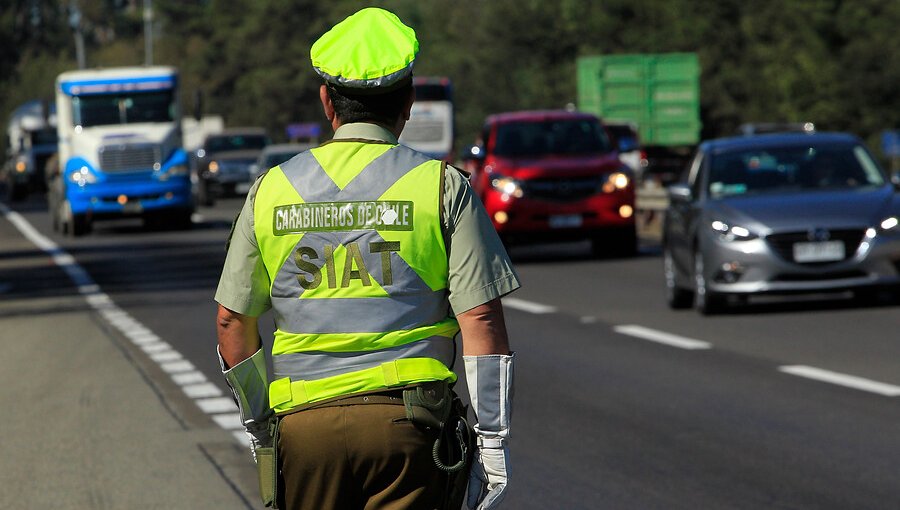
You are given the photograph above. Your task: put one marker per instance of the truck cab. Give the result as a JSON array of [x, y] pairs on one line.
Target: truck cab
[[120, 149]]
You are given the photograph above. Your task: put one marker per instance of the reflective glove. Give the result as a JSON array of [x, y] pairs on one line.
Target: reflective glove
[[249, 385], [490, 382]]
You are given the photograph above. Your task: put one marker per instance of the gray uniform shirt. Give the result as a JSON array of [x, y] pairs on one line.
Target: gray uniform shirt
[[480, 269]]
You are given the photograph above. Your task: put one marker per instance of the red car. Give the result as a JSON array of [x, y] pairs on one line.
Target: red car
[[554, 176]]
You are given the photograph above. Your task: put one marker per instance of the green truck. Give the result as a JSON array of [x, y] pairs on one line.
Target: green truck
[[657, 93]]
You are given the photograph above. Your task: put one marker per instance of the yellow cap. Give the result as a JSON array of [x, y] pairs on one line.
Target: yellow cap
[[372, 50]]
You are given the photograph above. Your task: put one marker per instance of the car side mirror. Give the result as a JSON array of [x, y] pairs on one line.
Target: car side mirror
[[627, 144], [895, 180], [680, 192]]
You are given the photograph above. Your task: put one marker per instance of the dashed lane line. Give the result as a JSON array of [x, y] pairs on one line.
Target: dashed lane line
[[206, 395], [681, 342], [661, 337], [528, 306], [845, 380]]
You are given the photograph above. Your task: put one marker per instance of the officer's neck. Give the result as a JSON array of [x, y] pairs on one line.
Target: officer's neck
[[396, 129]]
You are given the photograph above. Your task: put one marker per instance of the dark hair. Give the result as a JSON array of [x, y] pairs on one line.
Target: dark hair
[[383, 108]]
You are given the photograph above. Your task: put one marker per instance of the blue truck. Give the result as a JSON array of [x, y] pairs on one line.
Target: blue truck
[[120, 149]]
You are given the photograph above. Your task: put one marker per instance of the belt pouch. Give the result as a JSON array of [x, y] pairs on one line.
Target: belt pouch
[[267, 469], [428, 404]]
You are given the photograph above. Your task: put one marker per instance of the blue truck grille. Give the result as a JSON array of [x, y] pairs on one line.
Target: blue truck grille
[[128, 158]]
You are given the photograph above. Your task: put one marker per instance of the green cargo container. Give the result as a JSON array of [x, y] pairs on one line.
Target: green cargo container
[[658, 92]]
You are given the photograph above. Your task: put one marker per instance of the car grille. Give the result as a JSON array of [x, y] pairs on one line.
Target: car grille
[[783, 244], [129, 158], [561, 190]]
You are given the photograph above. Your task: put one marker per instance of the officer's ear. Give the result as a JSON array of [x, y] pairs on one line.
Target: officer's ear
[[327, 105]]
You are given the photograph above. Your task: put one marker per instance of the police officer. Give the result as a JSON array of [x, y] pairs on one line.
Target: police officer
[[372, 258]]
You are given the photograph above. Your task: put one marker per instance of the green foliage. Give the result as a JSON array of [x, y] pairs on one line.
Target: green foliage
[[833, 62]]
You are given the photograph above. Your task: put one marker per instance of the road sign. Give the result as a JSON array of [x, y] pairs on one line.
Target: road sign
[[305, 130], [890, 143]]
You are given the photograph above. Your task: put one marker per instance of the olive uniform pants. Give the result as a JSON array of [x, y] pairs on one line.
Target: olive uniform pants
[[359, 453]]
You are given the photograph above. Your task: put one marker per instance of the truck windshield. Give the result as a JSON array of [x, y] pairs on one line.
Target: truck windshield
[[130, 108], [551, 137]]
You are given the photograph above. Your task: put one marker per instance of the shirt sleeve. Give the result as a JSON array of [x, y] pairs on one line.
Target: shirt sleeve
[[244, 284], [479, 267]]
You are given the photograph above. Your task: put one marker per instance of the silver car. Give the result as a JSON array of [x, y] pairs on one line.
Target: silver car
[[780, 213]]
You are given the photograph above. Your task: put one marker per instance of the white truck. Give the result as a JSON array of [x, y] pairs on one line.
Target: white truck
[[32, 142], [120, 149]]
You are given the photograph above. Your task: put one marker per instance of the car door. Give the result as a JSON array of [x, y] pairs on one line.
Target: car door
[[684, 213]]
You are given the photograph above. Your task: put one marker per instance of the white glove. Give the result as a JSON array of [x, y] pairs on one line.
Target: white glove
[[249, 385], [490, 382], [487, 481]]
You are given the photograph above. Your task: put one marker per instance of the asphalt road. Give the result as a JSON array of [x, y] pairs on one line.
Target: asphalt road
[[620, 402]]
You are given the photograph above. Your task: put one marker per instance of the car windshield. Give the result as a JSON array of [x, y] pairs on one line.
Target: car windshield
[[107, 109], [44, 137], [792, 168], [236, 143], [551, 137]]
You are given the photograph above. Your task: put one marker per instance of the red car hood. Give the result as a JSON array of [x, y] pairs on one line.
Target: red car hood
[[555, 166]]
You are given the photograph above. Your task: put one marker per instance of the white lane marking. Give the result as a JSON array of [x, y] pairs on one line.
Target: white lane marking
[[229, 421], [848, 381], [216, 405], [184, 378], [662, 337], [528, 306], [206, 395]]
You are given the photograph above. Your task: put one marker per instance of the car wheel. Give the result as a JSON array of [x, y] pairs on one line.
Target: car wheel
[[75, 225], [706, 301], [676, 297]]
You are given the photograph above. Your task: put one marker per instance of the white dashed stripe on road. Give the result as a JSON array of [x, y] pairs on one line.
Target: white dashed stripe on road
[[528, 306], [848, 381], [207, 396], [661, 337]]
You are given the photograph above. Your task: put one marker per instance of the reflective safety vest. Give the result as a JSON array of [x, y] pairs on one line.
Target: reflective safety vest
[[350, 235]]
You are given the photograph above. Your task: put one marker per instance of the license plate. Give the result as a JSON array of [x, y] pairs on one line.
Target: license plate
[[828, 251], [132, 206], [242, 187], [565, 221]]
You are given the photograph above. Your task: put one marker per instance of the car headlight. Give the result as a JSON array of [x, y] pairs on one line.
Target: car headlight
[[732, 232], [213, 167], [21, 166], [616, 181], [507, 186], [83, 176]]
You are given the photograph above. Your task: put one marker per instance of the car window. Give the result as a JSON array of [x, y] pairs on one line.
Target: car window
[[551, 137], [792, 168]]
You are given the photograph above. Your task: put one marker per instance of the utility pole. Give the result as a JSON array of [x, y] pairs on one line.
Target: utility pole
[[148, 32], [75, 23]]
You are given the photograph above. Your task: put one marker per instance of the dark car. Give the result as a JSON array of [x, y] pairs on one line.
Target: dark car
[[224, 162], [780, 213], [554, 175]]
